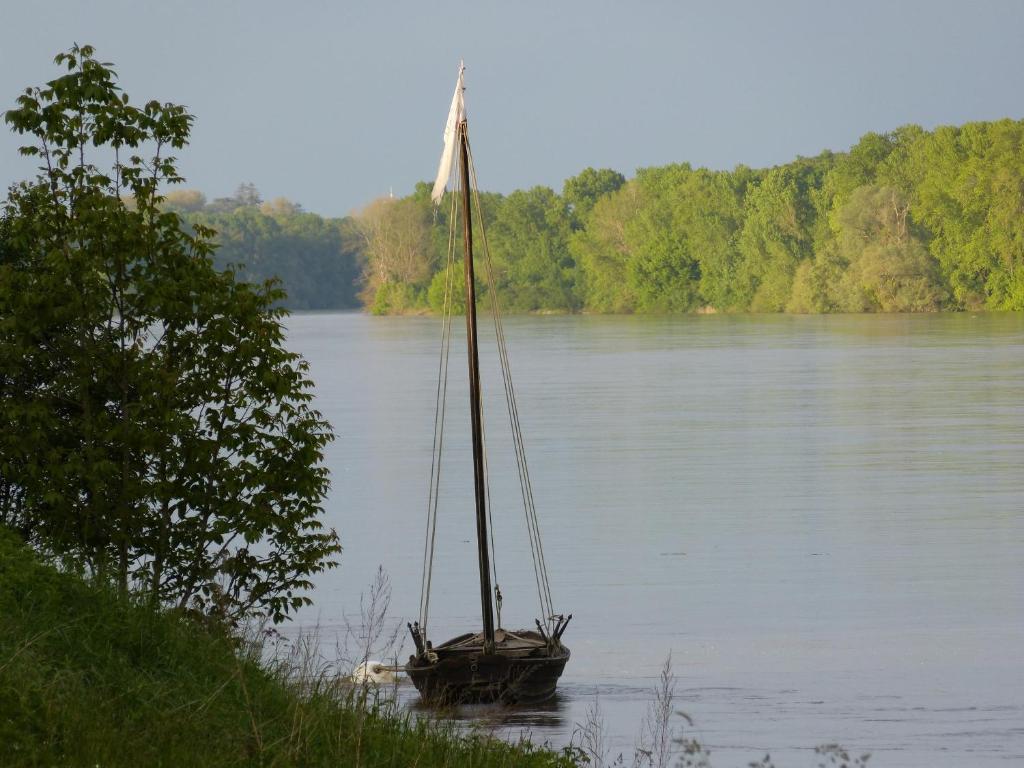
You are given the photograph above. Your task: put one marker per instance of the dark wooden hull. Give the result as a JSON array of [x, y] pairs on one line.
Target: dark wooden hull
[[523, 669]]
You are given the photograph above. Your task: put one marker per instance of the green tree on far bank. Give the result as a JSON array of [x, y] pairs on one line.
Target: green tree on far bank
[[398, 254], [582, 191], [604, 250], [529, 243], [790, 238], [673, 238], [317, 259]]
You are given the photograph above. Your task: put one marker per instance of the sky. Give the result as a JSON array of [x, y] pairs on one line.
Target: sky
[[332, 104]]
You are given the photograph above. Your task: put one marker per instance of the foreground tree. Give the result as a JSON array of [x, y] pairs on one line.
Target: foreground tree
[[153, 427]]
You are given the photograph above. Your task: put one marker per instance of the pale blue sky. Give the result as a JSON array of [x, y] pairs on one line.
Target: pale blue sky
[[333, 103]]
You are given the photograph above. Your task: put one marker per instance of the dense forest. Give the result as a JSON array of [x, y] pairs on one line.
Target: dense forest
[[906, 221], [317, 259]]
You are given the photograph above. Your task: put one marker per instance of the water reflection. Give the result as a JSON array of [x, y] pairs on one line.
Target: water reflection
[[549, 715]]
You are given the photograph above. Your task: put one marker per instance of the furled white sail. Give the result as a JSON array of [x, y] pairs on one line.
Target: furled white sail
[[455, 116]]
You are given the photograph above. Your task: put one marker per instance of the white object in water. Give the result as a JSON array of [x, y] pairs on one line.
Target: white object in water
[[376, 672]]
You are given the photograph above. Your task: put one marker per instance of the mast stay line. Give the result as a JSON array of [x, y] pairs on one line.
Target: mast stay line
[[495, 665]]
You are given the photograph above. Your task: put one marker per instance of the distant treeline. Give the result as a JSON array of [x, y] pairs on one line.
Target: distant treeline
[[906, 221], [317, 259]]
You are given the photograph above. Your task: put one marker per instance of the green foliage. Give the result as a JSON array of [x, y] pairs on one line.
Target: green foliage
[[153, 428], [674, 239], [885, 258], [663, 271], [529, 243], [398, 252], [88, 678], [582, 191], [604, 250], [454, 288], [826, 285], [714, 218], [790, 238], [777, 235], [398, 298], [318, 260], [970, 197], [856, 168]]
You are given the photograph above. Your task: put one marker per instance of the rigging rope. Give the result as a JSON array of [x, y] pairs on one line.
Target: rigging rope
[[439, 416], [525, 486]]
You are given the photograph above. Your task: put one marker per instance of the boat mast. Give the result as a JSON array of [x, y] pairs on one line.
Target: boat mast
[[479, 479]]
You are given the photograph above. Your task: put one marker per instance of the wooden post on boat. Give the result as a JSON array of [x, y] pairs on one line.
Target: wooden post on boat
[[479, 479]]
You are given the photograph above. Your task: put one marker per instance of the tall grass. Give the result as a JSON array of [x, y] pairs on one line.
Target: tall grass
[[661, 743], [665, 741], [88, 679]]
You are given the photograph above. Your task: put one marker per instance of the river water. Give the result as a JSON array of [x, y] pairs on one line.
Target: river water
[[820, 518]]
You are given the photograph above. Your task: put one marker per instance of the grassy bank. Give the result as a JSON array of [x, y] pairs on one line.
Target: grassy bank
[[90, 680]]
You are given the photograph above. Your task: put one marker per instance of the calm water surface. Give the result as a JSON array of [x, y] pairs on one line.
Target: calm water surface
[[820, 518]]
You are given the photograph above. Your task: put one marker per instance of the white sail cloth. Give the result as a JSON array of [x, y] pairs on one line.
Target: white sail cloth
[[456, 115]]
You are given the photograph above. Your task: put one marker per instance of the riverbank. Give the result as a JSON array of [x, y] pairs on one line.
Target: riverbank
[[88, 679]]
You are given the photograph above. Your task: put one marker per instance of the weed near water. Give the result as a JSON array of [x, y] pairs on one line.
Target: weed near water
[[88, 679], [664, 741]]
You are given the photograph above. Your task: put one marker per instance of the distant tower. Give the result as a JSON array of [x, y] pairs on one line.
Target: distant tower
[[391, 193]]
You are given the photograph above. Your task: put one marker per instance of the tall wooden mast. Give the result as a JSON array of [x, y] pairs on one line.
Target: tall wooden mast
[[475, 406]]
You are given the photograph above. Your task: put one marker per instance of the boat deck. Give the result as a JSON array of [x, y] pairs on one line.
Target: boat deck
[[523, 668]]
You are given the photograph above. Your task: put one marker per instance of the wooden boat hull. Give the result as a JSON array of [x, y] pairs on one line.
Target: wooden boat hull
[[459, 672]]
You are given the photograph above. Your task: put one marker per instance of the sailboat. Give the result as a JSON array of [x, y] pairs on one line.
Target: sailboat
[[490, 664]]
